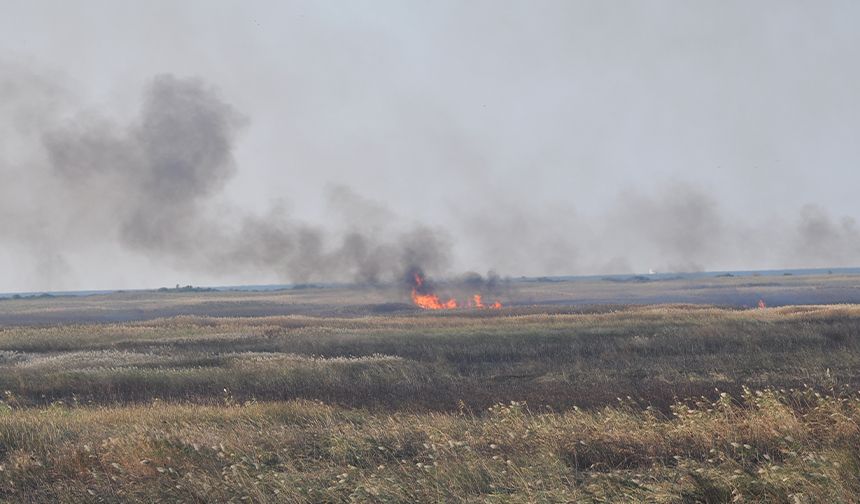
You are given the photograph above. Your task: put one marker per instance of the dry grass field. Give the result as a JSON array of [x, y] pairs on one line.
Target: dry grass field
[[316, 396]]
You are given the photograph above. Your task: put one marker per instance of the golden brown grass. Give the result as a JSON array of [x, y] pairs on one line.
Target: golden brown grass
[[432, 407], [767, 447], [433, 361]]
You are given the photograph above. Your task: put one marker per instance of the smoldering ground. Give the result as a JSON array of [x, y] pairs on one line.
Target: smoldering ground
[[76, 177]]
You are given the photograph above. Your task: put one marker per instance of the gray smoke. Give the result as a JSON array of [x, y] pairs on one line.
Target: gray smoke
[[824, 239], [154, 184], [681, 228], [162, 168]]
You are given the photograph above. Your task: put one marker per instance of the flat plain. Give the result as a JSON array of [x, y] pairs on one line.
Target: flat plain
[[598, 390]]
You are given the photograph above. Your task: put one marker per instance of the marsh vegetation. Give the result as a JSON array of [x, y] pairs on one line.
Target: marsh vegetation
[[669, 403]]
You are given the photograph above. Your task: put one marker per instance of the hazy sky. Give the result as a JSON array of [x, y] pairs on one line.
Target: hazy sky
[[528, 137]]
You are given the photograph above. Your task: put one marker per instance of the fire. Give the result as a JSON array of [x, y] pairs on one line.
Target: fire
[[430, 301], [477, 300]]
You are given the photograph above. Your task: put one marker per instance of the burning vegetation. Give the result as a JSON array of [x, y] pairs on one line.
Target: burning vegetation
[[423, 296]]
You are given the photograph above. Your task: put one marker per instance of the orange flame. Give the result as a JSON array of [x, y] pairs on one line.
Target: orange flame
[[477, 300], [429, 301], [432, 301]]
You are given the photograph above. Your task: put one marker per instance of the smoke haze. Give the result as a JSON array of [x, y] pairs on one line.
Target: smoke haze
[[344, 146], [152, 186]]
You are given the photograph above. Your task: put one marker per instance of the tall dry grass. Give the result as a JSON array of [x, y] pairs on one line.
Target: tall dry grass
[[434, 361], [520, 405], [767, 446]]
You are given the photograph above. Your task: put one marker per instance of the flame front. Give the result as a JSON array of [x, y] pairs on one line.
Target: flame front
[[430, 301]]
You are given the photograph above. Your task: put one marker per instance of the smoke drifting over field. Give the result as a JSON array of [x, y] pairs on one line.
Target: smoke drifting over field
[[153, 185], [680, 228]]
